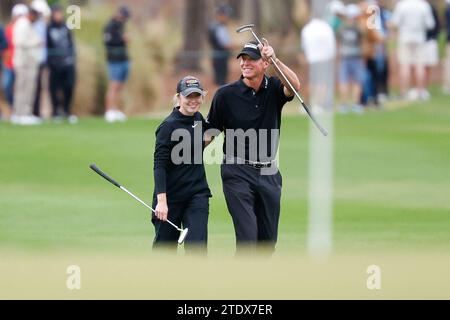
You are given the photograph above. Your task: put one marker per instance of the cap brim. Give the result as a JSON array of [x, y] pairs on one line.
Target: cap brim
[[189, 91], [251, 54]]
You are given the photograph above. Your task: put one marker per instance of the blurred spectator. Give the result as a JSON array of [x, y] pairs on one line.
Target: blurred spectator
[[431, 50], [3, 42], [351, 70], [371, 39], [447, 60], [3, 46], [40, 25], [61, 63], [27, 53], [412, 18], [336, 13], [116, 41], [8, 67], [319, 46], [220, 41], [381, 56]]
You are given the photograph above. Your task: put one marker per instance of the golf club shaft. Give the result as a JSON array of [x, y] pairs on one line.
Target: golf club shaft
[[322, 130], [114, 182], [142, 202], [146, 205]]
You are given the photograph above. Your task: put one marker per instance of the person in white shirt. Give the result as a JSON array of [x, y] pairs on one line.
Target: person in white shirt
[[412, 19], [26, 65], [319, 46], [40, 25]]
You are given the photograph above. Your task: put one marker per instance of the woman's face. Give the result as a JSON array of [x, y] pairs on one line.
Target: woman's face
[[191, 104]]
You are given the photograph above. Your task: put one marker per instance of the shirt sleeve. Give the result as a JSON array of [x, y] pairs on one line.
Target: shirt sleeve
[[214, 120], [162, 157], [280, 92]]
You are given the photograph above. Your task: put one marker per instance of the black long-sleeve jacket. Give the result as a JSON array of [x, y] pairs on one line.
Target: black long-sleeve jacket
[[179, 172]]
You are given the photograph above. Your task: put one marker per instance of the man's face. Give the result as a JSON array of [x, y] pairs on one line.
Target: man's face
[[252, 68], [58, 16], [33, 16], [223, 18]]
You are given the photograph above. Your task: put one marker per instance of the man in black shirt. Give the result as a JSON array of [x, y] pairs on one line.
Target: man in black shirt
[[249, 111], [115, 42], [61, 61]]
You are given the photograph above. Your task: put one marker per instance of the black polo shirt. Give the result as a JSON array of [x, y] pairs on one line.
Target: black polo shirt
[[237, 106]]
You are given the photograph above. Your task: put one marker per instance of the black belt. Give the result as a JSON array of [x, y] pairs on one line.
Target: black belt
[[254, 164]]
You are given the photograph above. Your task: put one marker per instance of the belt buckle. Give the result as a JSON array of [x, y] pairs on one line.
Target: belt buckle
[[258, 165]]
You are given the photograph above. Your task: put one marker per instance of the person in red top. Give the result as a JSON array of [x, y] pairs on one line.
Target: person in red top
[[8, 66]]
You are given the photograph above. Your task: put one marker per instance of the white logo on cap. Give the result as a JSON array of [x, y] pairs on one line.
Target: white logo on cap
[[251, 45], [191, 82]]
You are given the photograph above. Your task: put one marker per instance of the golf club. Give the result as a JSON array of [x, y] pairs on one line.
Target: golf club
[[249, 27], [183, 233]]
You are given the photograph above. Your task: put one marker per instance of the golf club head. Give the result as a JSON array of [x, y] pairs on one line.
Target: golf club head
[[245, 28], [183, 235]]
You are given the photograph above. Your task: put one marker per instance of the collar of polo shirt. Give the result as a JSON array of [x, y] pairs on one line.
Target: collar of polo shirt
[[244, 87]]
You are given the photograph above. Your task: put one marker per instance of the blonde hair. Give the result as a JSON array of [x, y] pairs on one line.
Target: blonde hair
[[175, 100]]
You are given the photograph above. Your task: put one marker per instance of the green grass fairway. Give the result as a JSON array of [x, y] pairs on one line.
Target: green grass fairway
[[391, 190]]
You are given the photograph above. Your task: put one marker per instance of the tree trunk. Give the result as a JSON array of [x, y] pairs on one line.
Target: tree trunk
[[194, 34], [287, 21], [236, 5], [5, 9], [252, 13]]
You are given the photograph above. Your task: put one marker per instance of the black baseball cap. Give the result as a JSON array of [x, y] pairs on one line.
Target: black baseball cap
[[56, 7], [188, 85], [124, 11], [224, 9], [251, 49]]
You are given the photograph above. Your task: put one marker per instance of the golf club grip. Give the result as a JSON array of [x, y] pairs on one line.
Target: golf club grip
[[104, 175]]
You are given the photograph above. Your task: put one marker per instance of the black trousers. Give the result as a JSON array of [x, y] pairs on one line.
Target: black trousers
[[383, 77], [192, 214], [37, 95], [62, 83], [372, 69], [253, 200]]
